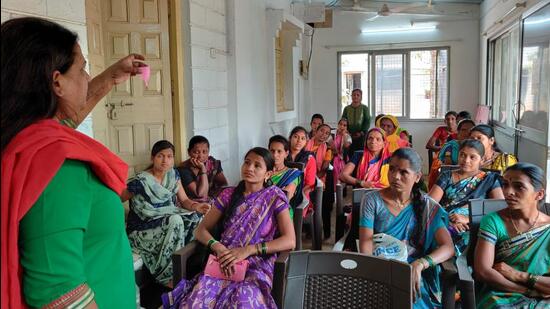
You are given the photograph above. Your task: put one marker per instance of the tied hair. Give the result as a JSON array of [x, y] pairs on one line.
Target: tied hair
[[418, 203]]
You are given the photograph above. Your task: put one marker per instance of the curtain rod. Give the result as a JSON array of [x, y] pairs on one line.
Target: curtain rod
[[391, 44]]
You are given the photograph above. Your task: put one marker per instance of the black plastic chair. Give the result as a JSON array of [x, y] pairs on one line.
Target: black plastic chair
[[320, 279]]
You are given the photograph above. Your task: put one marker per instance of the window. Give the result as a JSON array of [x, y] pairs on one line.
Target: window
[[355, 75], [405, 83], [389, 84], [504, 82]]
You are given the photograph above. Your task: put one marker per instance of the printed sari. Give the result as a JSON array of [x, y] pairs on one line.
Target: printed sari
[[285, 178], [456, 196], [156, 227], [527, 252], [376, 216], [254, 221]]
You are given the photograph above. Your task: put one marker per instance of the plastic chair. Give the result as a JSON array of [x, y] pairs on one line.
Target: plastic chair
[[318, 279]]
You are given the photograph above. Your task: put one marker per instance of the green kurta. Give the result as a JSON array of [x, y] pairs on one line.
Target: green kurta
[[75, 234], [358, 118]]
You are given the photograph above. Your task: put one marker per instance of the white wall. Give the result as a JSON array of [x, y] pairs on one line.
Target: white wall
[[69, 13], [207, 50], [461, 36]]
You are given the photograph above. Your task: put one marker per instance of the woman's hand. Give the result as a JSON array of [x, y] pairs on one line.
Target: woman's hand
[[460, 227], [417, 268], [128, 66], [456, 218], [228, 258], [510, 273], [203, 208], [198, 165]]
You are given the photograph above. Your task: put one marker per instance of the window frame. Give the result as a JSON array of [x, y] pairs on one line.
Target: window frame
[[406, 82]]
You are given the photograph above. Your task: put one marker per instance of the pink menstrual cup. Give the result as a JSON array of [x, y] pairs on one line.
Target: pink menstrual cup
[[145, 72]]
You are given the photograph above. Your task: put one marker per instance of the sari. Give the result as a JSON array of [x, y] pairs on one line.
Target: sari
[[285, 178], [253, 221], [156, 227], [339, 161], [456, 196], [393, 140], [449, 151], [500, 162], [526, 252], [376, 216], [374, 169], [310, 174]]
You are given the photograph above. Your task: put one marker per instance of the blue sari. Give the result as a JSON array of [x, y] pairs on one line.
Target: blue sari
[[376, 216]]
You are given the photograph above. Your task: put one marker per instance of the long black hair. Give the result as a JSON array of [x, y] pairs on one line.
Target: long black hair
[[417, 196], [488, 131], [32, 49], [238, 194]]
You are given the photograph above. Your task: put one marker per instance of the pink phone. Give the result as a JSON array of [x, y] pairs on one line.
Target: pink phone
[[212, 269]]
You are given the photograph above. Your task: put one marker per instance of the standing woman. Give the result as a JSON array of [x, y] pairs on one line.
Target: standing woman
[[63, 239], [494, 158], [405, 213], [512, 255], [454, 189], [162, 218]]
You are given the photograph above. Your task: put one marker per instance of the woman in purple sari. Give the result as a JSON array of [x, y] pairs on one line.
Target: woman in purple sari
[[255, 224]]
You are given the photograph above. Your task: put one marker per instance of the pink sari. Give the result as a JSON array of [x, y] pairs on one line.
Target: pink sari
[[338, 162]]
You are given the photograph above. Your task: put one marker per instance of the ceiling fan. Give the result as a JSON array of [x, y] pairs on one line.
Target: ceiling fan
[[385, 10]]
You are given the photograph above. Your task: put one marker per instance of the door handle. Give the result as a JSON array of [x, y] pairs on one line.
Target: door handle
[[111, 108]]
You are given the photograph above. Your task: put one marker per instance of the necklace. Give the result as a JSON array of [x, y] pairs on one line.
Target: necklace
[[401, 205], [514, 223]]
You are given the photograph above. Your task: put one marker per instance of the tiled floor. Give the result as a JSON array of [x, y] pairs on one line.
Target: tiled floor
[[329, 243]]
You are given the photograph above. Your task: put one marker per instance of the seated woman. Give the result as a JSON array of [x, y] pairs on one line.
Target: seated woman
[[255, 224], [201, 175], [404, 136], [156, 227], [444, 133], [371, 163], [288, 179], [449, 152], [512, 256], [405, 213], [454, 189], [493, 159], [319, 147], [342, 142], [390, 125], [297, 153]]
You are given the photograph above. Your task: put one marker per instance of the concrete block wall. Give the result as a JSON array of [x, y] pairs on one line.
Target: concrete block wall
[[69, 13], [208, 46]]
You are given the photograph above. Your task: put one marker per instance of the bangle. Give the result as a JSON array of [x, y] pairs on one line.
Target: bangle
[[258, 249], [531, 281], [201, 173], [358, 182], [430, 261], [264, 248], [211, 242]]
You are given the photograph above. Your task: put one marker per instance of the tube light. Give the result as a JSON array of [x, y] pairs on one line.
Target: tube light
[[407, 29]]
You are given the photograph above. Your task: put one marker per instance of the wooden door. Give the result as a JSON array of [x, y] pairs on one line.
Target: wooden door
[[138, 115]]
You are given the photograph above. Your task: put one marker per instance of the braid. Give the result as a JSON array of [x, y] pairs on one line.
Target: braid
[[236, 198], [418, 202]]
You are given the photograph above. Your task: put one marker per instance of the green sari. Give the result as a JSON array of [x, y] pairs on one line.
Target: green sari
[[527, 252]]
